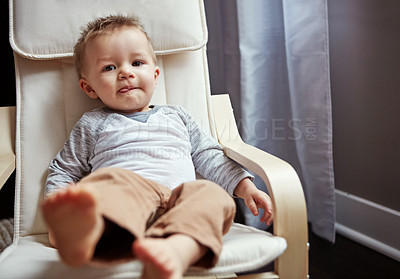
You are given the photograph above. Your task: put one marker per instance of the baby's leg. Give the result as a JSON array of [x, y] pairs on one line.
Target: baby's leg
[[168, 258], [74, 222], [189, 232]]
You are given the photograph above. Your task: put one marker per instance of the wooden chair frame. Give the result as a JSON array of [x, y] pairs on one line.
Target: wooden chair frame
[[283, 184]]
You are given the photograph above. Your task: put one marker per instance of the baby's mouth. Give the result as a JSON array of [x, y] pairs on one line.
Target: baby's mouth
[[126, 89]]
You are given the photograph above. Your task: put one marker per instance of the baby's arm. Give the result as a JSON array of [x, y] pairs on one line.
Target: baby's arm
[[255, 199], [72, 162]]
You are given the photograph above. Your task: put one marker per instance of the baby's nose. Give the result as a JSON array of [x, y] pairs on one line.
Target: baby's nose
[[126, 73]]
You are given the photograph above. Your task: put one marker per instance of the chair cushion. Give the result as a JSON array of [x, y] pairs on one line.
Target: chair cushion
[[40, 29], [244, 249]]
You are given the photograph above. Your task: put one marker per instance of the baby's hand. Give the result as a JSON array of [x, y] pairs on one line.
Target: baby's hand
[[255, 199]]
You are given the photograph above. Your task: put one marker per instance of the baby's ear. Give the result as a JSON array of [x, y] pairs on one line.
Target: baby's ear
[[156, 73], [87, 88]]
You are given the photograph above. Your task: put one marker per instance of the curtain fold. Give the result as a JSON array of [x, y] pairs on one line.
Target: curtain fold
[[284, 95]]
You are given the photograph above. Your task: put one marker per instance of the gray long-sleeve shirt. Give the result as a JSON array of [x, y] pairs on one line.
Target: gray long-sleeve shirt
[[164, 144]]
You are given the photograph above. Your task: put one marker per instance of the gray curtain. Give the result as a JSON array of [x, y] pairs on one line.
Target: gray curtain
[[272, 57]]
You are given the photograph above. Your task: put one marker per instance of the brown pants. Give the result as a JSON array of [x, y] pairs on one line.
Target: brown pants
[[135, 207]]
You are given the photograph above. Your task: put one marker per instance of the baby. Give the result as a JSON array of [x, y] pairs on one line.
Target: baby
[[123, 185]]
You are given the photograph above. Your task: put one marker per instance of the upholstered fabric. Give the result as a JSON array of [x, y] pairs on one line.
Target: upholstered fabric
[[46, 29], [244, 249]]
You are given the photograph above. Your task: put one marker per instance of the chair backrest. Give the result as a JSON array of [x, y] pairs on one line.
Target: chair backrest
[[49, 100]]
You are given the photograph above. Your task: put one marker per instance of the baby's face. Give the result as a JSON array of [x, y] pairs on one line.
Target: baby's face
[[120, 70]]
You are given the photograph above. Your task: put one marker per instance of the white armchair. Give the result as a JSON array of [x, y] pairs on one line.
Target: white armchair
[[49, 102]]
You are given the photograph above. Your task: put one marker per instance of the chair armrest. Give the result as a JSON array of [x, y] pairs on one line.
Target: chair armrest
[[7, 138], [282, 182]]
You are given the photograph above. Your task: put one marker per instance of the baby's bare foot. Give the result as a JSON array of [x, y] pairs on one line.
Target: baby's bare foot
[[74, 223], [158, 259], [167, 258]]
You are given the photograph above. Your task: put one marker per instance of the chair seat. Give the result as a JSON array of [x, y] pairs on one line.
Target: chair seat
[[244, 249]]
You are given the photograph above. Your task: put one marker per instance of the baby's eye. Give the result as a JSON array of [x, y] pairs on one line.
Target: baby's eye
[[109, 68], [137, 63]]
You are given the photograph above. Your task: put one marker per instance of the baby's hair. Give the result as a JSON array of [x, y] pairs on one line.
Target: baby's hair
[[104, 26]]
